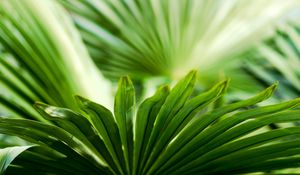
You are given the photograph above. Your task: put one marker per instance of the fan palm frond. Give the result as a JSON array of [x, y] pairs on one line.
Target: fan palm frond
[[168, 133], [278, 58], [146, 38], [44, 59]]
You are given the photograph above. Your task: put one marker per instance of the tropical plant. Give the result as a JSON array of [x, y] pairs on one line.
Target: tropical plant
[[7, 155], [44, 59], [168, 133], [143, 38], [174, 131], [278, 59]]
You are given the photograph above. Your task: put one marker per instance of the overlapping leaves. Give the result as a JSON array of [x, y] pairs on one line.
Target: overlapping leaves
[[42, 58], [278, 59], [144, 38], [172, 132]]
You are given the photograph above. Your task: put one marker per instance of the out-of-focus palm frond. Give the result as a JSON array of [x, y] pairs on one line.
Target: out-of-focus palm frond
[[278, 58], [169, 37], [43, 58]]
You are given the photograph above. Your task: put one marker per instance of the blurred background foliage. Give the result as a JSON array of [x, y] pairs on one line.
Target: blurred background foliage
[[146, 39]]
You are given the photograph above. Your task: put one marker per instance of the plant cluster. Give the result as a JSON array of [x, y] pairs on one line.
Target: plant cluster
[[63, 112]]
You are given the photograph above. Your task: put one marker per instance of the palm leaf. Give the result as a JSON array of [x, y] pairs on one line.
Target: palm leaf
[[172, 132], [44, 59], [7, 155], [148, 38], [278, 59]]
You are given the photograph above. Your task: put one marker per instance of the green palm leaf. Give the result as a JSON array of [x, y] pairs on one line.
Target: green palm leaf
[[7, 155], [146, 38], [44, 59], [278, 59], [172, 132]]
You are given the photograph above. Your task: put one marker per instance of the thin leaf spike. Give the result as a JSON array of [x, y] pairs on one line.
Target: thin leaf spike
[[103, 121], [174, 102], [124, 110], [144, 123]]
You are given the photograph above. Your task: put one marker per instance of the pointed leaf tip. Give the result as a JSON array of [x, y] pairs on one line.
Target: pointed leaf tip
[[126, 84], [225, 84], [81, 101], [221, 87], [192, 73], [274, 85], [271, 89], [47, 111], [165, 88], [125, 80], [43, 109], [41, 106]]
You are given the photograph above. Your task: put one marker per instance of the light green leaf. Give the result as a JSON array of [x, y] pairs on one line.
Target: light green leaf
[[44, 59], [170, 37], [124, 110], [7, 155]]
